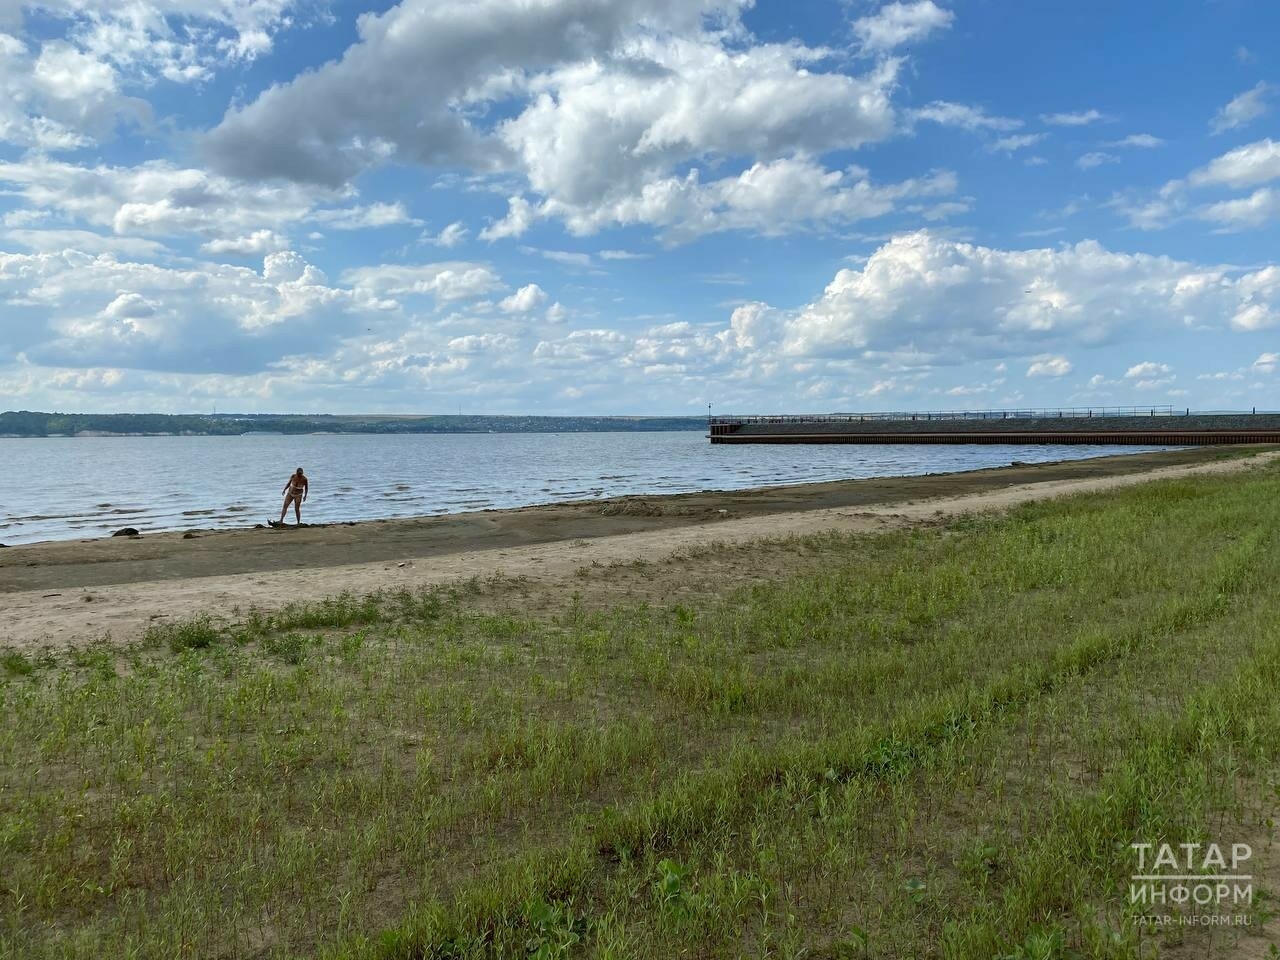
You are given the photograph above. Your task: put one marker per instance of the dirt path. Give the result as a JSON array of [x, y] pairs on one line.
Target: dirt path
[[59, 615]]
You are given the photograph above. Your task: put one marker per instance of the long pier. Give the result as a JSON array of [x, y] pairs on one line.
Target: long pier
[[1130, 426]]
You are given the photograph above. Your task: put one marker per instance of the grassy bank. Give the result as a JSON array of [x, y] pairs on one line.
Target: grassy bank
[[929, 743]]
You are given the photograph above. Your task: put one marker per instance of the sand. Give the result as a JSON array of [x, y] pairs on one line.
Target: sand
[[64, 593]]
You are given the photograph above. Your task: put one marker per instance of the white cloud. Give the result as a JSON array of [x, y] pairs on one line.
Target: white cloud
[[963, 117], [1095, 159], [1143, 141], [604, 146], [413, 84], [180, 40], [450, 236], [898, 23], [255, 244], [1242, 109], [951, 301], [85, 241], [1260, 207], [525, 300], [1244, 166], [1267, 362], [157, 198], [1147, 370], [581, 347], [79, 310], [1249, 165], [60, 99], [520, 217], [1049, 366], [370, 217], [767, 198], [449, 281], [1016, 142], [1080, 119], [613, 112], [621, 255]]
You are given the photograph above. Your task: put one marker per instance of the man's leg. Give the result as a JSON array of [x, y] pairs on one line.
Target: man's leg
[[297, 510]]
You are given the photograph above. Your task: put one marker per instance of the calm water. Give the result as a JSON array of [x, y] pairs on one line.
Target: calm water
[[79, 488]]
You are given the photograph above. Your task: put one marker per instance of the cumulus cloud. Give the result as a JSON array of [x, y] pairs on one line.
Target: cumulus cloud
[[77, 309], [1244, 166], [450, 236], [525, 300], [611, 113], [1260, 207], [255, 244], [180, 41], [154, 198], [950, 301], [60, 98], [159, 199], [767, 198], [898, 23], [520, 217], [1242, 109], [603, 144], [1147, 370], [407, 88], [449, 281], [1049, 366]]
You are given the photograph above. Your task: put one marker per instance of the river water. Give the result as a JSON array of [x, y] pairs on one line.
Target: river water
[[69, 488]]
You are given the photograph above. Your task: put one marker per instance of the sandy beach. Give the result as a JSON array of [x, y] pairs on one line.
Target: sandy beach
[[60, 593]]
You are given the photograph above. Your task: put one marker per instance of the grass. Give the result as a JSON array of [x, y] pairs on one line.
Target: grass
[[929, 743]]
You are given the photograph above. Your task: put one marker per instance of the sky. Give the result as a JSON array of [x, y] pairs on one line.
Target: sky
[[638, 206]]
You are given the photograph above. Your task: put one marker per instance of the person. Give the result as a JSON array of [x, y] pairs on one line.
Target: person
[[295, 492]]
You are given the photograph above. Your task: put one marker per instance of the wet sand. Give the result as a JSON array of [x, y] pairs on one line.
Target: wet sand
[[63, 592]]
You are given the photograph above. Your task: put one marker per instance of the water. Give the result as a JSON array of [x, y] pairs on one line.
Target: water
[[56, 489]]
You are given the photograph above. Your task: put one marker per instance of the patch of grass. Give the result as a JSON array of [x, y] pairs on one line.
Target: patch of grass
[[196, 633], [16, 663]]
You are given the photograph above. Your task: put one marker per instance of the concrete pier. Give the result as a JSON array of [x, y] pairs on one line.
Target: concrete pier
[[1146, 426]]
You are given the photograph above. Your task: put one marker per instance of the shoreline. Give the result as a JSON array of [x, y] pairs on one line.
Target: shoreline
[[425, 535], [211, 551], [63, 593]]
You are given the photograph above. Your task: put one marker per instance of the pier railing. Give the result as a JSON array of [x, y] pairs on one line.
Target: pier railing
[[1157, 410]]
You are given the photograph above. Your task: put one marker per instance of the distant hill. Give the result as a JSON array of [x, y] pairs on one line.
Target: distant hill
[[25, 423]]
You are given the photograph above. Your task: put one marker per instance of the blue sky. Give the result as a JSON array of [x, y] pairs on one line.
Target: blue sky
[[637, 206]]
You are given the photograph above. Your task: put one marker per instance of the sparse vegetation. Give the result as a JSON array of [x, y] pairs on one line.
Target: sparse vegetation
[[930, 743]]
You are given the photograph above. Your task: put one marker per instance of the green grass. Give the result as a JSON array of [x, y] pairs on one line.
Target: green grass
[[931, 743]]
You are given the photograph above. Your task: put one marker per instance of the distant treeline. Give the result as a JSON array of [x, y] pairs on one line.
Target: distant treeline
[[24, 423]]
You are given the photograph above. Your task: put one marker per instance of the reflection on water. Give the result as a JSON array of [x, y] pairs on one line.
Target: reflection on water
[[66, 488]]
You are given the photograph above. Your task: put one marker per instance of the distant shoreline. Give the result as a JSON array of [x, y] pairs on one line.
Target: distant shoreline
[[25, 424]]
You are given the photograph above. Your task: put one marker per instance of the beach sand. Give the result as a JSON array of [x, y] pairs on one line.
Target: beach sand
[[61, 593]]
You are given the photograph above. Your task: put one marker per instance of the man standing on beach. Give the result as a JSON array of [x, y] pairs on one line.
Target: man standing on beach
[[295, 492]]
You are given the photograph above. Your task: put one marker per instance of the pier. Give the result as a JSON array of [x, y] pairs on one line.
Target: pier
[[1129, 426]]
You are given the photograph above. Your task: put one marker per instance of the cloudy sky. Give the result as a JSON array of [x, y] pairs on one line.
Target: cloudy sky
[[638, 206]]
